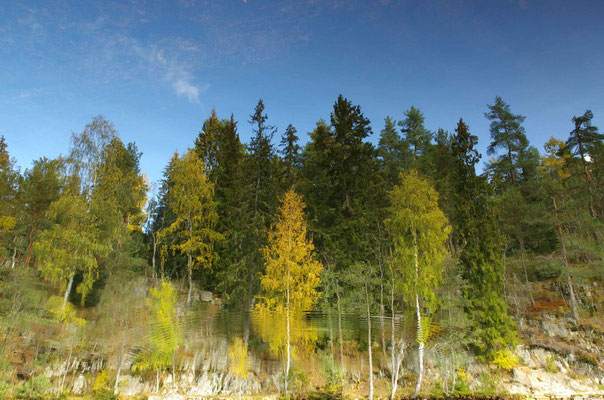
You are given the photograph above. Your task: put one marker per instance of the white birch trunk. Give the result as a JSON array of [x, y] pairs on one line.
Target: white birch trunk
[[67, 292], [369, 343], [420, 339]]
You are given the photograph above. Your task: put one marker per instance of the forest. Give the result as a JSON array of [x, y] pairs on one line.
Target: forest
[[369, 261]]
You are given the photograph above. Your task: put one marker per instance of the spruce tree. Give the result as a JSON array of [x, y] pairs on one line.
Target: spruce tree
[[480, 249], [393, 152], [290, 153], [414, 131]]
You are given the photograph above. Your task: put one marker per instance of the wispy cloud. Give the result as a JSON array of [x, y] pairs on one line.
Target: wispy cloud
[[101, 47], [176, 73]]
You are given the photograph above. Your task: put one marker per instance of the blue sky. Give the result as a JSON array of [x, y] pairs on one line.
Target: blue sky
[[157, 68]]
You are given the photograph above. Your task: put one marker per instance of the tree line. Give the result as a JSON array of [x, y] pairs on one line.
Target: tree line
[[337, 222]]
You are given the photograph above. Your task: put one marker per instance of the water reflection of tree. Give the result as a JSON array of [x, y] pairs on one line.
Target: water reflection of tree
[[271, 327]]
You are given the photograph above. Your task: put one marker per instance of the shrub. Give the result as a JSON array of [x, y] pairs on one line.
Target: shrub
[[505, 359], [101, 389]]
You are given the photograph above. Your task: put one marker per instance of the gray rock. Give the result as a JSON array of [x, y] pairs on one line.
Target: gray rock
[[79, 385]]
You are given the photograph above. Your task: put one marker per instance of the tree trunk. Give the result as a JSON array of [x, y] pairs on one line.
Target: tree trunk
[[12, 265], [573, 300], [420, 338], [67, 292], [154, 253], [370, 356], [118, 371], [526, 280], [394, 371], [382, 325], [157, 381], [330, 330], [173, 368], [420, 349], [288, 339], [190, 272], [340, 339], [30, 243], [592, 209]]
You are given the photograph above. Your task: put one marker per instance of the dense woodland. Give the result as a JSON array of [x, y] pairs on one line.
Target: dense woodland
[[395, 222]]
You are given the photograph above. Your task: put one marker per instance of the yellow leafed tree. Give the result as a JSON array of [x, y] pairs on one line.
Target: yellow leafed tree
[[292, 271]]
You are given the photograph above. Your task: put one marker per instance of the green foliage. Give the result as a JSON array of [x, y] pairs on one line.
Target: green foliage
[[415, 134], [165, 334], [35, 388], [488, 384], [190, 198], [550, 365], [505, 359], [78, 222], [71, 245], [418, 230], [479, 244], [507, 134], [101, 390], [292, 270], [393, 152], [9, 180]]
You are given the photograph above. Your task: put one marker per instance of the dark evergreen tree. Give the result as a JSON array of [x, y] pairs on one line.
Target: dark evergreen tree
[[291, 156], [584, 139], [207, 143], [261, 185], [393, 152], [480, 248], [507, 134], [414, 131], [340, 170]]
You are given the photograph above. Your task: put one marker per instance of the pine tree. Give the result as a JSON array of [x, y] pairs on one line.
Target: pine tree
[[232, 275], [339, 172], [583, 139], [507, 133]]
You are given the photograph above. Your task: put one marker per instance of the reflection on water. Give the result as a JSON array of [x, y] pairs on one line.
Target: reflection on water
[[143, 346], [230, 352]]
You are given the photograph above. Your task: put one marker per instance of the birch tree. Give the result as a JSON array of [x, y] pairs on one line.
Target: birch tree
[[419, 231], [69, 247]]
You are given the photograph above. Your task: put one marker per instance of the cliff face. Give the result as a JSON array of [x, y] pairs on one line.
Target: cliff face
[[559, 355]]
